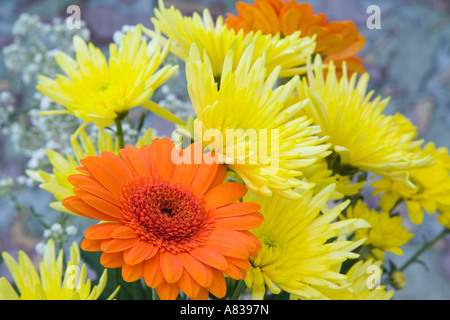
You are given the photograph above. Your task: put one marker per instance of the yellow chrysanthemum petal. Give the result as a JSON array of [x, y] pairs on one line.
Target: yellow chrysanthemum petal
[[430, 190], [360, 133], [385, 232], [362, 283], [97, 90], [49, 283], [245, 123], [297, 253], [215, 40]]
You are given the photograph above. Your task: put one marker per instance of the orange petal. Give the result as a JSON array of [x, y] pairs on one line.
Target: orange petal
[[257, 19], [236, 209], [111, 260], [203, 294], [160, 151], [101, 231], [168, 291], [209, 257], [191, 157], [141, 251], [136, 160], [309, 22], [119, 245], [249, 221], [185, 173], [101, 205], [117, 164], [171, 266], [220, 176], [270, 14], [152, 272], [348, 51], [224, 194], [218, 286], [275, 4], [199, 271], [227, 248], [89, 184], [234, 272], [123, 232], [83, 170], [78, 206], [245, 237], [190, 287], [305, 8], [98, 169], [204, 177], [290, 21], [243, 264], [132, 273], [90, 245]]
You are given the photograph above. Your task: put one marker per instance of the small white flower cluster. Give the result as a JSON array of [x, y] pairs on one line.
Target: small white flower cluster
[[7, 184], [58, 233], [118, 34], [182, 108], [32, 52], [36, 44], [6, 109], [33, 133]]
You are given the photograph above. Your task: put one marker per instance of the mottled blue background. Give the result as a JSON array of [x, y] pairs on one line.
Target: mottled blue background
[[408, 59]]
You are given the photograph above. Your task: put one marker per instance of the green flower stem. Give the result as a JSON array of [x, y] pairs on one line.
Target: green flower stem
[[239, 288], [425, 247], [119, 132]]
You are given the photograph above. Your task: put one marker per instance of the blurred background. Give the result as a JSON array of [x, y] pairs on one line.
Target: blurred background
[[408, 59]]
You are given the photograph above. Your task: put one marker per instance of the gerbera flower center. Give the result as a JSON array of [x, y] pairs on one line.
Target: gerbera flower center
[[167, 214]]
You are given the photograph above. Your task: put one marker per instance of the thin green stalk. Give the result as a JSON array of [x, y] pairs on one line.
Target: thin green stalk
[[141, 121], [117, 280], [119, 132], [425, 247], [149, 293], [239, 288]]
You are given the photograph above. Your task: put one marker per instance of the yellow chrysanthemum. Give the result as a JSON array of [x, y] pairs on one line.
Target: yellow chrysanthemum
[[360, 133], [246, 123], [321, 175], [56, 182], [215, 40], [361, 283], [385, 233], [297, 253], [52, 282], [99, 91], [431, 189]]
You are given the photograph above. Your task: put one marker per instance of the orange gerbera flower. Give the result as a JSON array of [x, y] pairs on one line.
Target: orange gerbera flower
[[336, 40], [175, 225]]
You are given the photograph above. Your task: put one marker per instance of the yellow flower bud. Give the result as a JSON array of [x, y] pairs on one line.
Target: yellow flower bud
[[397, 279]]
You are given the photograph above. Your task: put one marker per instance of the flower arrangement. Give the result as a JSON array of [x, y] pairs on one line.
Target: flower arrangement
[[257, 193]]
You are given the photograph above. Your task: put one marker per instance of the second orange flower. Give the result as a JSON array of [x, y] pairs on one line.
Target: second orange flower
[[337, 41]]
